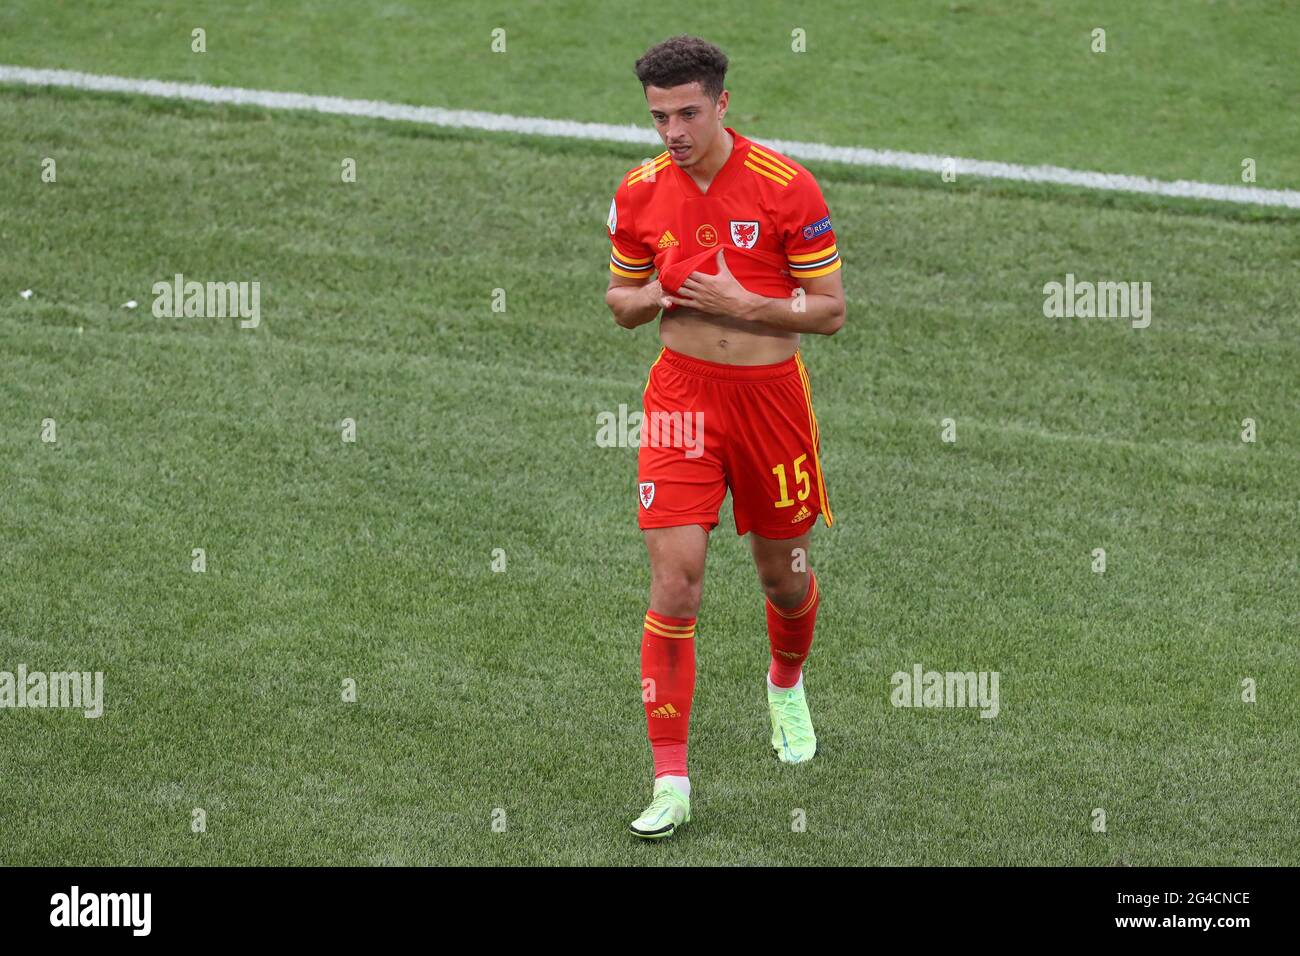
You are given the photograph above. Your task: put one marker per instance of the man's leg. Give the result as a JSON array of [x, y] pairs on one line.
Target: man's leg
[[668, 669], [680, 486], [792, 602], [782, 565], [668, 643]]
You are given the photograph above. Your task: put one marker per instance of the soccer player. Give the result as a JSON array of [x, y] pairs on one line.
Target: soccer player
[[741, 239]]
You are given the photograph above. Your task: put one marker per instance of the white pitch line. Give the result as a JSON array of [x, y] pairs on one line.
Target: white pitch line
[[536, 126]]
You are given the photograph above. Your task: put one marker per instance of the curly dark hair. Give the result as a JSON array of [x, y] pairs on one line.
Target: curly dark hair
[[683, 59]]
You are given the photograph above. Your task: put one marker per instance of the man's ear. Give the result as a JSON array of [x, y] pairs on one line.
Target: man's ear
[[724, 98]]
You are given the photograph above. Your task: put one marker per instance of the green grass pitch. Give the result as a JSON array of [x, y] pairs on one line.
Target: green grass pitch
[[513, 696]]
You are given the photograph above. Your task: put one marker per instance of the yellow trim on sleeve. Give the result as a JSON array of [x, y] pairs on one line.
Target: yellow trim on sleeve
[[627, 275], [795, 273], [810, 256]]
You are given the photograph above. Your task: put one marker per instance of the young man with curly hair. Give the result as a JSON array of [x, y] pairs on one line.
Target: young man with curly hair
[[746, 261]]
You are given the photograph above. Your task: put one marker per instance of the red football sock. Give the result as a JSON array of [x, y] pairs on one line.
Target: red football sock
[[667, 686], [790, 632]]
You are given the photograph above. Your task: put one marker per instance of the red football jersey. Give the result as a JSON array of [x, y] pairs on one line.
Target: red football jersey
[[764, 209]]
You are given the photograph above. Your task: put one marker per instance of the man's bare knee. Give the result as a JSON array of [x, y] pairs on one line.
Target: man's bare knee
[[782, 566], [677, 569], [785, 590], [676, 593]]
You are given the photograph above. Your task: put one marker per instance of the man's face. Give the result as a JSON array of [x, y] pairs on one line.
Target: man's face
[[687, 119]]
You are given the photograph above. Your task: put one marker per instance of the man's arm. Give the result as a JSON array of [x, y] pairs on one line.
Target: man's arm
[[633, 301], [817, 308]]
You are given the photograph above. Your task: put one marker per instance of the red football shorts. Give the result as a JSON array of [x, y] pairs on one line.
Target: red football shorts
[[708, 427]]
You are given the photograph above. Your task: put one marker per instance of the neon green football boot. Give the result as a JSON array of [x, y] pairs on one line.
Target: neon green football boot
[[792, 730], [667, 811]]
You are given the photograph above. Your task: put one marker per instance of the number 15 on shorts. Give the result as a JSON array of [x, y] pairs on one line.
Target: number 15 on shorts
[[801, 480]]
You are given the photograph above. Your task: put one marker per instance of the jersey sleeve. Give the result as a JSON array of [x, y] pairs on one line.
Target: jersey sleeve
[[806, 233], [629, 257]]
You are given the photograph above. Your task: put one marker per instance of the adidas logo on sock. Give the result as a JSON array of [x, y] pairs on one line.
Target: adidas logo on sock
[[667, 710]]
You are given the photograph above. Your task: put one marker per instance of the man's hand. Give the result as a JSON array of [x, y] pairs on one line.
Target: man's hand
[[817, 306], [655, 295], [635, 303], [714, 295]]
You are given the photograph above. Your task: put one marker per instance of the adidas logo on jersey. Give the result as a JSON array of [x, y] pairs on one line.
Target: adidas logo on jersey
[[668, 239]]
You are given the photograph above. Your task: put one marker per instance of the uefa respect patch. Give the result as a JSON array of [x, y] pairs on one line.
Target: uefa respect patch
[[817, 228]]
